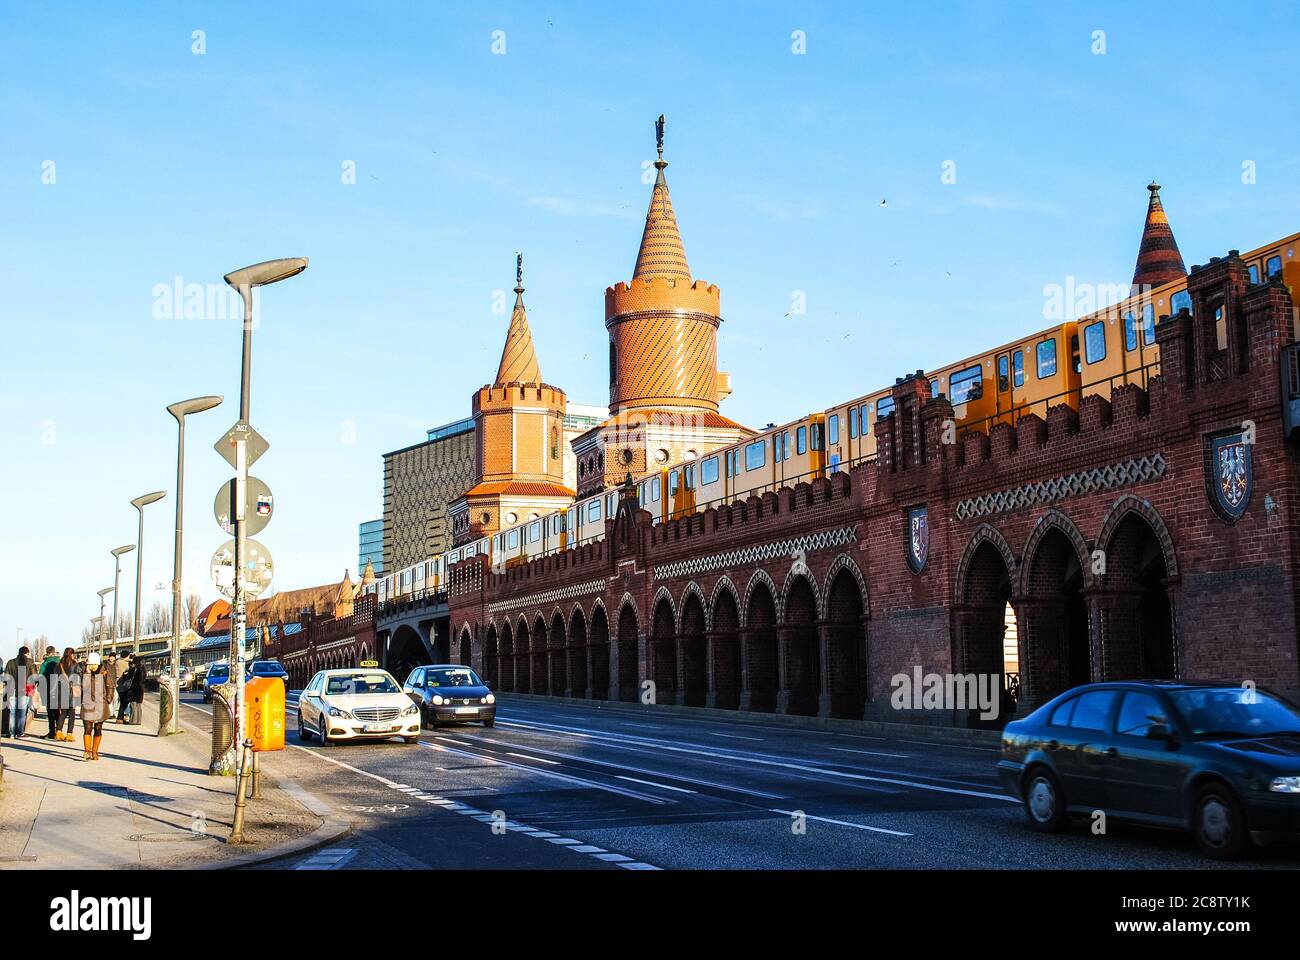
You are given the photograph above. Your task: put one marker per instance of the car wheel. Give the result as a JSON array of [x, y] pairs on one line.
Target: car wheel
[[410, 739], [1217, 824], [488, 723], [303, 733], [1044, 801], [323, 732]]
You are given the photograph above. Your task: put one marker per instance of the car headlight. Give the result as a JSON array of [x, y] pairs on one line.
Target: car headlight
[[336, 712], [437, 699], [411, 711], [490, 699], [1285, 785]]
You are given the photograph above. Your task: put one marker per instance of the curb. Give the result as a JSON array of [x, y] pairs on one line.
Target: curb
[[957, 735], [329, 830]]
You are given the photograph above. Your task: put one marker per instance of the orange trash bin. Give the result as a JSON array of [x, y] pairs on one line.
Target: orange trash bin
[[264, 713]]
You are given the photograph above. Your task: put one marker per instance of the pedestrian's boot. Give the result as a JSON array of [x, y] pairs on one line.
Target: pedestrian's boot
[[94, 754], [88, 755]]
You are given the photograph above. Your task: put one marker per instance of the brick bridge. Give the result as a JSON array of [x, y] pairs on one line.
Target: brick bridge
[[1105, 529]]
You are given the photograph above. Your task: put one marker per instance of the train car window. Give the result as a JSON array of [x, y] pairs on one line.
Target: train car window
[[818, 441], [1272, 267], [1254, 272], [1075, 360], [611, 502], [593, 511], [833, 428], [853, 423], [1182, 300], [688, 476], [863, 427], [1018, 368], [1047, 359], [755, 455], [1004, 374], [733, 463], [512, 539], [884, 407], [1094, 342], [835, 462], [573, 518], [1130, 331], [934, 388], [656, 488], [674, 482], [801, 440], [1149, 325], [967, 385], [709, 470], [1220, 329], [535, 531]]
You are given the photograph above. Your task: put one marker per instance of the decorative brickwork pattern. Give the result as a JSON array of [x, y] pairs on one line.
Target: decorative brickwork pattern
[[1137, 470], [822, 540]]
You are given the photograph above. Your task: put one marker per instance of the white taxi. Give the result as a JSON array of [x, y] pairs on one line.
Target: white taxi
[[358, 703]]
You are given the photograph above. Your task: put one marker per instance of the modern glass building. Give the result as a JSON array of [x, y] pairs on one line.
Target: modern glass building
[[371, 546]]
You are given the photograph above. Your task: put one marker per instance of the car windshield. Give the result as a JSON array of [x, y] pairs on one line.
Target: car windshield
[[459, 677], [361, 683], [1235, 711], [218, 671], [267, 668]]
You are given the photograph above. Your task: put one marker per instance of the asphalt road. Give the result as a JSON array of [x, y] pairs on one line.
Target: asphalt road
[[600, 787]]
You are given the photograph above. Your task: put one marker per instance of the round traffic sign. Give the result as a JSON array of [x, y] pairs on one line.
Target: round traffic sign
[[258, 569], [258, 513]]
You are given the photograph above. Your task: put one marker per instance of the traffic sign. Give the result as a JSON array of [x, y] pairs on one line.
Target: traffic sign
[[260, 504], [254, 444], [258, 569]]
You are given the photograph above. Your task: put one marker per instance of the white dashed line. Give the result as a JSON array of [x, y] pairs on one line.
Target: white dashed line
[[842, 823], [648, 783]]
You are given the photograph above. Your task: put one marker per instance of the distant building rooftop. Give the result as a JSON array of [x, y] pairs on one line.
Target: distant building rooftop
[[452, 429]]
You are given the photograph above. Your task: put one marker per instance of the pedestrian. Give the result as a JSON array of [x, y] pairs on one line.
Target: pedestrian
[[21, 674], [119, 666], [54, 686], [128, 686], [74, 669], [95, 700]]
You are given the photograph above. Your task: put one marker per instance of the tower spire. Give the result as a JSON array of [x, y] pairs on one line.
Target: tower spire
[[661, 253], [1158, 258], [518, 358]]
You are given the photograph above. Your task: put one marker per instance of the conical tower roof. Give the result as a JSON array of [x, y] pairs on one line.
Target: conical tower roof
[[1158, 258], [518, 358], [661, 253]]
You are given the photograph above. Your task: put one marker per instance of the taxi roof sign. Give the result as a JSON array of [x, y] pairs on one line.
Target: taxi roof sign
[[369, 663]]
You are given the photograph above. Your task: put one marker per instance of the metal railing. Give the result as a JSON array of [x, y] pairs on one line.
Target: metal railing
[[1014, 414]]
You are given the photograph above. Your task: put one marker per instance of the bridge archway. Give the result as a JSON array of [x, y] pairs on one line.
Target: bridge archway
[[628, 667], [1054, 614], [725, 643], [578, 653], [598, 640], [406, 651], [466, 645], [846, 644], [558, 657], [985, 634], [761, 649], [1134, 609], [509, 659], [801, 650], [693, 652], [491, 658], [663, 641]]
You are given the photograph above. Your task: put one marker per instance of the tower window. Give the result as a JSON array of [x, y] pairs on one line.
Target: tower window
[[613, 363]]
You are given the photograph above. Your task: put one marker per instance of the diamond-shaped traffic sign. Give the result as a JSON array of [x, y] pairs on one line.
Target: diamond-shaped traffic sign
[[254, 444]]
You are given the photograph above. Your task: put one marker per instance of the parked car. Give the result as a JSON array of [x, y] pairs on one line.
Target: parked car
[[451, 693], [267, 668], [218, 674], [1219, 760], [358, 703]]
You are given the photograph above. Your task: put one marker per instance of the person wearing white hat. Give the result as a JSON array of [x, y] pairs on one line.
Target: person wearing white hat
[[96, 700]]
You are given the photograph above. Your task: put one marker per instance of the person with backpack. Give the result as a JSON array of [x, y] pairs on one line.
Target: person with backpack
[[21, 675], [54, 687]]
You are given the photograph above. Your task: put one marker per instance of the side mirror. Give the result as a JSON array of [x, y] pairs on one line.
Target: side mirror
[[1160, 731], [409, 691]]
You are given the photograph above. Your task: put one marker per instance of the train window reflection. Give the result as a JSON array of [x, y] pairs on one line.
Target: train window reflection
[[1272, 267], [967, 385], [800, 440], [756, 455], [1094, 342], [1046, 359], [709, 470], [1018, 368]]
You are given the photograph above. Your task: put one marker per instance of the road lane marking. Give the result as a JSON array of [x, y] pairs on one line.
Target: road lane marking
[[649, 783], [733, 736], [870, 753], [656, 773], [332, 859], [768, 761], [510, 753], [842, 823]]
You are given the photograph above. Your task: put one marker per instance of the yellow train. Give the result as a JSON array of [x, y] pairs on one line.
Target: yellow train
[[1061, 364]]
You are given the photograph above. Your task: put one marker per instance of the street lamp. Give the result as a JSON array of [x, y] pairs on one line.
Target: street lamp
[[118, 553], [100, 633], [140, 503], [180, 411], [98, 623], [245, 281]]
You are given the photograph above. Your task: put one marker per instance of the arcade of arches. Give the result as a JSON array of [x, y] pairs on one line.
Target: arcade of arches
[[1049, 619]]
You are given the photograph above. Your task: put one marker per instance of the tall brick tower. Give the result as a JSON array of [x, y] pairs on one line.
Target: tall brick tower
[[664, 384], [1158, 258], [519, 424]]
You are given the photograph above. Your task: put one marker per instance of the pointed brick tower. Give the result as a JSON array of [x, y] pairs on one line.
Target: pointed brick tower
[[1158, 258], [664, 384], [519, 428]]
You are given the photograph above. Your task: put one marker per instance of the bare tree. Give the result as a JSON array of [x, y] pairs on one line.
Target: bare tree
[[193, 605], [124, 627], [158, 619]]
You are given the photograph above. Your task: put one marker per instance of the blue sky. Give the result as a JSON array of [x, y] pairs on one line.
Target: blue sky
[[170, 164]]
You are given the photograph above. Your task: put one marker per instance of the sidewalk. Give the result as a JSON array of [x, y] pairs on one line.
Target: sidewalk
[[147, 803]]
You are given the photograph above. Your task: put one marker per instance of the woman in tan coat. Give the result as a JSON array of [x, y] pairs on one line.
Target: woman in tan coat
[[96, 702]]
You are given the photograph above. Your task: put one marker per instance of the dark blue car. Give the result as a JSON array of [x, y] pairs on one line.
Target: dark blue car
[[1217, 759], [267, 668]]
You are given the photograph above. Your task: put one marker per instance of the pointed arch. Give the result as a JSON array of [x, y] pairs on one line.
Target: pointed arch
[[1128, 504], [724, 585], [985, 533], [760, 577], [664, 594], [845, 562], [791, 580], [692, 589], [1054, 520]]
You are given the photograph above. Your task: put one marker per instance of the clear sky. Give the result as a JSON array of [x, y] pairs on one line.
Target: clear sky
[[167, 163]]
